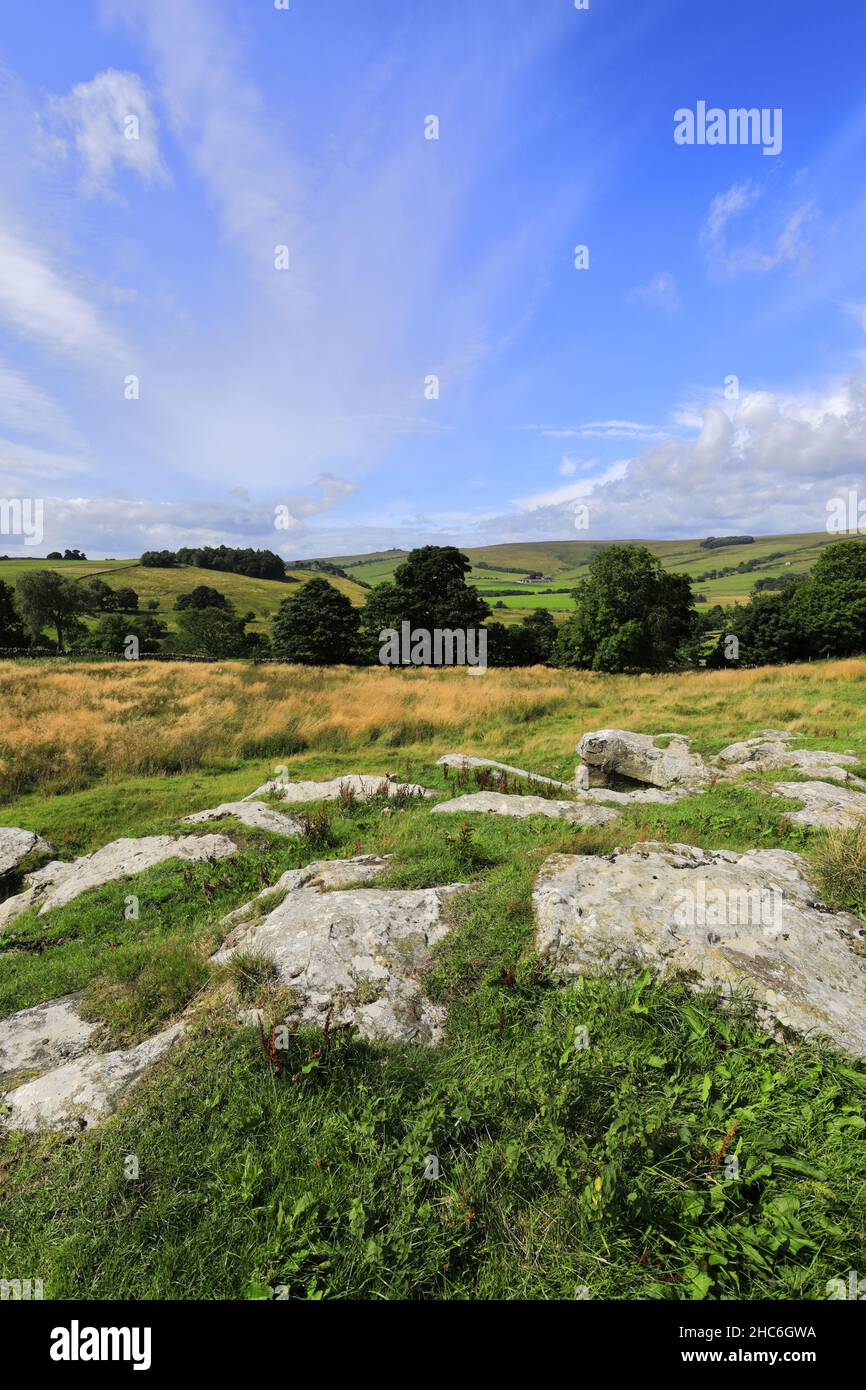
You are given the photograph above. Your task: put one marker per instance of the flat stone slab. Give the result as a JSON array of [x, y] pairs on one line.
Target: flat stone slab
[[644, 796], [256, 814], [468, 760], [826, 805], [322, 874], [58, 883], [356, 954], [17, 844], [766, 754], [506, 804], [43, 1036], [365, 785], [640, 757], [725, 920], [79, 1093]]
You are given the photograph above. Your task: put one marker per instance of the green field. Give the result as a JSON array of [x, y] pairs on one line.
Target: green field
[[565, 562], [262, 597], [562, 562], [559, 1170]]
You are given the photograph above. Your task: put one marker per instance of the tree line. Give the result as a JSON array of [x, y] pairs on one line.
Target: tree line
[[630, 615]]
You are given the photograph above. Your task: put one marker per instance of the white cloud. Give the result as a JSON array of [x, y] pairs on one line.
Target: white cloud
[[111, 123], [567, 467], [601, 429], [39, 303], [570, 492], [727, 205], [790, 246], [26, 409], [659, 293]]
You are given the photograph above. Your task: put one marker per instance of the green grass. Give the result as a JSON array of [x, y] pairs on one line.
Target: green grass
[[262, 597], [566, 562], [562, 1167]]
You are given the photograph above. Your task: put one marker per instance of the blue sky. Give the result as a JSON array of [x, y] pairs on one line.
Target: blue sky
[[411, 258]]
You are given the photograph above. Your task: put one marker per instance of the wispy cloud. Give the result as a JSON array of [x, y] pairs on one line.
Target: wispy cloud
[[41, 305], [789, 246], [110, 122], [659, 293]]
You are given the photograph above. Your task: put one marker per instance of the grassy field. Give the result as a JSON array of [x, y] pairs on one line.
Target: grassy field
[[565, 562], [261, 597], [494, 568], [560, 1170]]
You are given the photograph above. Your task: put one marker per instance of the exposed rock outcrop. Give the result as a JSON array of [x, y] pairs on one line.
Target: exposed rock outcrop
[[505, 804], [765, 754], [256, 814], [725, 920], [74, 1096], [16, 845], [58, 883], [364, 785], [824, 804], [43, 1036], [469, 760], [643, 758], [354, 954]]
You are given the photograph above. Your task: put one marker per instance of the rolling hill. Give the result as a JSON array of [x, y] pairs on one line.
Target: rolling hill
[[259, 596], [563, 563], [500, 572]]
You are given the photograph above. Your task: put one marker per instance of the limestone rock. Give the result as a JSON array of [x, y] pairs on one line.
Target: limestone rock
[[468, 760], [365, 785], [38, 884], [58, 883], [16, 845], [43, 1036], [75, 1095], [765, 754], [621, 753], [322, 873], [823, 804], [256, 814], [356, 954], [505, 804], [726, 920]]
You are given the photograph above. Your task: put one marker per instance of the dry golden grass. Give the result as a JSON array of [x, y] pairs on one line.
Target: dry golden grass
[[64, 726]]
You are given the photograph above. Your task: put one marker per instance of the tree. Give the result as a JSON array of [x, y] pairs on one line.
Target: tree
[[532, 642], [766, 631], [12, 632], [101, 596], [74, 555], [429, 591], [317, 626], [111, 632], [125, 600], [159, 559], [499, 649], [46, 599], [830, 608], [54, 555], [203, 596], [630, 615], [212, 632]]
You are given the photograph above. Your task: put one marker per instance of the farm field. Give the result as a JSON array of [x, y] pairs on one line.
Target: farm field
[[562, 562], [557, 1173], [565, 562], [262, 597]]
